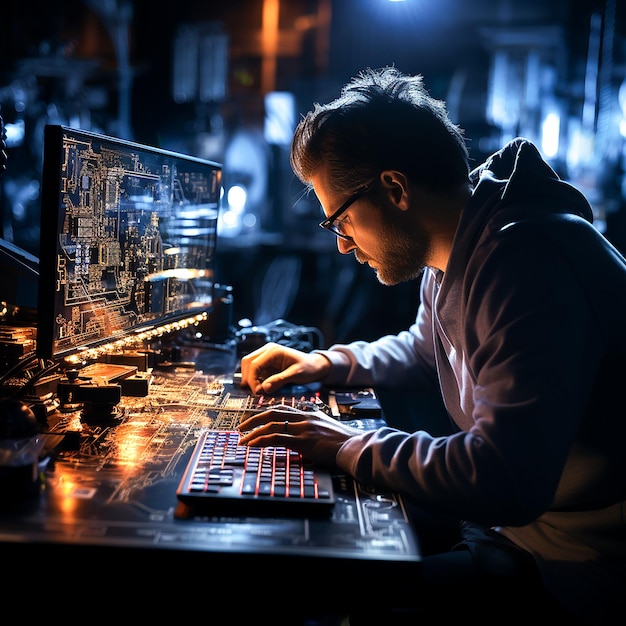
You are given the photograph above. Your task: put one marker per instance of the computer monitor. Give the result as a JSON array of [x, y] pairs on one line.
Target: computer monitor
[[127, 248]]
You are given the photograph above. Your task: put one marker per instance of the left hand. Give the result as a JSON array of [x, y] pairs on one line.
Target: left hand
[[314, 434]]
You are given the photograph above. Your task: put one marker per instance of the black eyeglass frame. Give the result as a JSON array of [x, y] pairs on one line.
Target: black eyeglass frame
[[329, 222]]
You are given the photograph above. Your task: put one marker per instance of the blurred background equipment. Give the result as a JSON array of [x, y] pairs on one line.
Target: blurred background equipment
[[228, 81]]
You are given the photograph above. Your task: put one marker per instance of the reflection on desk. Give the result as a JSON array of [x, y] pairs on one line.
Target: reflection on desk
[[115, 490]]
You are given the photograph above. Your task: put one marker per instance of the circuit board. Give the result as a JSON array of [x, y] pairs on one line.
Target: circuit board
[[115, 482]]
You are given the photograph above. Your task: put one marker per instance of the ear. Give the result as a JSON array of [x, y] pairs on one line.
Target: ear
[[396, 185]]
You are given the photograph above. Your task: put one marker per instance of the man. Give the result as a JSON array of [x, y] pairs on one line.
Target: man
[[521, 325]]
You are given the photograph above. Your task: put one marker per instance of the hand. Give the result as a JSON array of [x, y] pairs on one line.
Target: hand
[[272, 366], [314, 434]]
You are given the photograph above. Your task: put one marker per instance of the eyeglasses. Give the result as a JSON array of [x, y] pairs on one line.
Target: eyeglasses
[[330, 223]]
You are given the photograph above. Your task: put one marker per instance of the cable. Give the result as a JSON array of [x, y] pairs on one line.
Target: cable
[[45, 370], [22, 364]]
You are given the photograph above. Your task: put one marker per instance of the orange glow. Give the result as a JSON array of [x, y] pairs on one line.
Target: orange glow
[[269, 38], [67, 487]]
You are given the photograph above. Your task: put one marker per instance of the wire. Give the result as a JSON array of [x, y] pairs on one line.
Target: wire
[[45, 370], [22, 364], [26, 366]]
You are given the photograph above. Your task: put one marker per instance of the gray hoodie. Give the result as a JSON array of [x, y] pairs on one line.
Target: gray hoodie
[[525, 334]]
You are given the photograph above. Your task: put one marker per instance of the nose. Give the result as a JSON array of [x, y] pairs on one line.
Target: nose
[[345, 246]]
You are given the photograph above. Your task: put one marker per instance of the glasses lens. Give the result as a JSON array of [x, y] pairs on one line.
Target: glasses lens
[[335, 224], [337, 227]]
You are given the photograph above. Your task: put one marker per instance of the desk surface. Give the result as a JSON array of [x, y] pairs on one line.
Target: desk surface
[[115, 489]]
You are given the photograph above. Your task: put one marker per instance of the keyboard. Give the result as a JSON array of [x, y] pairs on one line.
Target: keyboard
[[225, 478]]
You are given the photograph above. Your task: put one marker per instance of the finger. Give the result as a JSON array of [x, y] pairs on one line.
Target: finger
[[274, 382], [250, 375], [270, 434], [264, 374], [257, 440], [251, 364], [244, 372], [246, 360], [293, 414], [252, 421], [258, 417]]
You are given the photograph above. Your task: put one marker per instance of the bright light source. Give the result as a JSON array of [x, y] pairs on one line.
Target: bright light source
[[230, 218], [15, 133], [550, 135], [280, 117], [237, 196], [229, 224]]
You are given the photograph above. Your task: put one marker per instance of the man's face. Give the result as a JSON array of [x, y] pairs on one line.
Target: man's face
[[382, 236]]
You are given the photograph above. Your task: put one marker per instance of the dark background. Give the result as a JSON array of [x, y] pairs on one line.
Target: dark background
[[195, 76]]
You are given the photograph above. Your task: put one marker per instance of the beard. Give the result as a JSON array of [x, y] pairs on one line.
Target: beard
[[402, 256]]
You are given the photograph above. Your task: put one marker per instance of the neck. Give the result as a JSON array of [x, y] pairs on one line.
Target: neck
[[443, 225]]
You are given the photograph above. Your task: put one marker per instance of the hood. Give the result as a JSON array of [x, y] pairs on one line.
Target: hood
[[518, 173], [514, 184]]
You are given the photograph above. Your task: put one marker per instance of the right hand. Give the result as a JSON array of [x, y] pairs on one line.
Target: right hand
[[313, 433], [272, 366]]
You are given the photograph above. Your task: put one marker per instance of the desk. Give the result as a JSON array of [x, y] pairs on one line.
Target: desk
[[106, 516]]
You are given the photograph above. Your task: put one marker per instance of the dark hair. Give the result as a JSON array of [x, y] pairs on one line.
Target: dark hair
[[383, 119]]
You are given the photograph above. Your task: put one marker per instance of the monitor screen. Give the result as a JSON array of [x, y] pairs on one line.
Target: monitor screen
[[128, 237]]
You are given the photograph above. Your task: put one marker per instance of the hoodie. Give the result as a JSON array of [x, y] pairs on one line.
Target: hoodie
[[525, 336]]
